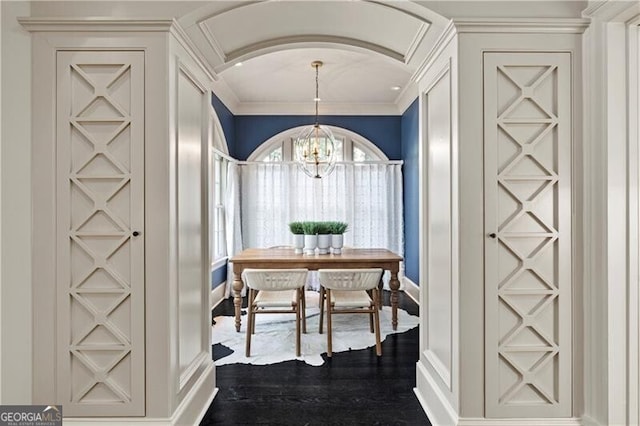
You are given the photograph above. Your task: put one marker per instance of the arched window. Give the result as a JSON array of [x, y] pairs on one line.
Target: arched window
[[350, 146]]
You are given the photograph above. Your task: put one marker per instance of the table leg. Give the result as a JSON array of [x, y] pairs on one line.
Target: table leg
[[394, 285], [237, 297], [380, 288]]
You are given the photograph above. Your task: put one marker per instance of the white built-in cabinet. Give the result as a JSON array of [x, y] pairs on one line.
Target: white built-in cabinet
[[527, 216], [99, 231], [120, 222], [500, 250]]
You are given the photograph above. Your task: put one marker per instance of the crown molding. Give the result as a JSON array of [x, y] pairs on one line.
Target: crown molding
[[93, 24], [616, 11], [226, 95], [521, 25], [304, 108], [440, 44], [593, 7], [407, 96], [185, 41]]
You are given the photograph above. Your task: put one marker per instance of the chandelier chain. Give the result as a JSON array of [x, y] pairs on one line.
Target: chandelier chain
[[317, 93]]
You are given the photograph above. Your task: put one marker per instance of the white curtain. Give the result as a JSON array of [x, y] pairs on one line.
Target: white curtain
[[368, 196], [232, 220]]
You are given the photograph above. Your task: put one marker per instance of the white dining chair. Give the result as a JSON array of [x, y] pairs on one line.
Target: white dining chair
[[350, 291], [275, 291]]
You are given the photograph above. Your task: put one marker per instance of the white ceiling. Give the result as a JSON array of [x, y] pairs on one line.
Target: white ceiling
[[367, 48], [367, 45]]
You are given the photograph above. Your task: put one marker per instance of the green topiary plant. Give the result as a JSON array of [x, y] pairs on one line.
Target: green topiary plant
[[310, 228], [324, 228], [339, 227], [296, 228]]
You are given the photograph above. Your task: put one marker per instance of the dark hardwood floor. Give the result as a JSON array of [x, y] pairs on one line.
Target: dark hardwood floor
[[352, 388]]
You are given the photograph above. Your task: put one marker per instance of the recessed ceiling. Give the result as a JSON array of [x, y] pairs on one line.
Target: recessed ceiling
[[346, 78], [367, 48]]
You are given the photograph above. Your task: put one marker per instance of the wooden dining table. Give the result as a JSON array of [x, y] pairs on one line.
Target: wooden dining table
[[285, 258]]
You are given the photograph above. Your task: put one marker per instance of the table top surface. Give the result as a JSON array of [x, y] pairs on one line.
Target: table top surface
[[266, 255]]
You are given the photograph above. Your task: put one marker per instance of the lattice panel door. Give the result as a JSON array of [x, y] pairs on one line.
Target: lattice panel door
[[527, 119], [100, 218]]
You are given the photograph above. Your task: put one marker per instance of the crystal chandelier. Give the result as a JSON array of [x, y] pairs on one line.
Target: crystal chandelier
[[314, 145]]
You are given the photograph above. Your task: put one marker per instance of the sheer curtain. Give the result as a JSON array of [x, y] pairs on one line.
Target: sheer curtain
[[368, 196], [232, 220]]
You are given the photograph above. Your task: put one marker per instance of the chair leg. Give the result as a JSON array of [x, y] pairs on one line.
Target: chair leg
[[376, 319], [322, 297], [253, 319], [380, 286], [250, 321], [371, 321], [297, 309], [328, 299], [303, 307]]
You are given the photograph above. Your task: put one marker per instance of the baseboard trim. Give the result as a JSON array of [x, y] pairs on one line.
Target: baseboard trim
[[433, 402], [217, 295], [189, 412], [469, 421], [411, 289], [197, 401], [590, 421]]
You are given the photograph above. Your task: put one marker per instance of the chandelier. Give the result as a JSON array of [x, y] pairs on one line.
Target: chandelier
[[314, 145]]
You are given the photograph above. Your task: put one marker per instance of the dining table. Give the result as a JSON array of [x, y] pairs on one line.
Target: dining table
[[286, 258]]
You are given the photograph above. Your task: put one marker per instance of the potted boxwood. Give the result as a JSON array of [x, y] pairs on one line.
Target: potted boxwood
[[324, 237], [310, 237], [298, 236], [337, 236]]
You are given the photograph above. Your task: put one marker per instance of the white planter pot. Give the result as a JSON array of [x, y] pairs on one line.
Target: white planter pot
[[337, 242], [324, 242], [310, 244], [298, 243]]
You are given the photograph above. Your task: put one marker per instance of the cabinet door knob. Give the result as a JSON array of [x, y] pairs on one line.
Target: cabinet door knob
[[492, 235], [136, 233]]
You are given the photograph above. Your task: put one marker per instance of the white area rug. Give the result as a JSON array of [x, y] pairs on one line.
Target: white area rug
[[275, 338]]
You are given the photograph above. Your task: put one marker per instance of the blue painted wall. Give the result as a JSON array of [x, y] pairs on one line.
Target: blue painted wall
[[227, 120], [410, 142], [218, 276], [252, 130]]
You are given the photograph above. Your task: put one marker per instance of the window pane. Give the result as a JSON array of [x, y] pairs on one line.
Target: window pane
[[362, 154], [338, 146], [275, 155], [218, 243]]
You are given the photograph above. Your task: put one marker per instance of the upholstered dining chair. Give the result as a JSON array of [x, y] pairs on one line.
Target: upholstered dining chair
[[350, 291], [274, 291]]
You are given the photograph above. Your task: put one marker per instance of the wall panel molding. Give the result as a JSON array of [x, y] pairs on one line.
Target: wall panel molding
[[521, 25], [441, 232]]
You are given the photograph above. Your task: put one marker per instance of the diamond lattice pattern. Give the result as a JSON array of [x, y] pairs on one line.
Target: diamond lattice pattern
[[100, 283], [527, 234]]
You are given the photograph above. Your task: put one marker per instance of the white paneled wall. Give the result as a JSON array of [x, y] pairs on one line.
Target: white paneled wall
[[438, 368], [440, 249], [192, 216], [128, 335], [498, 134]]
